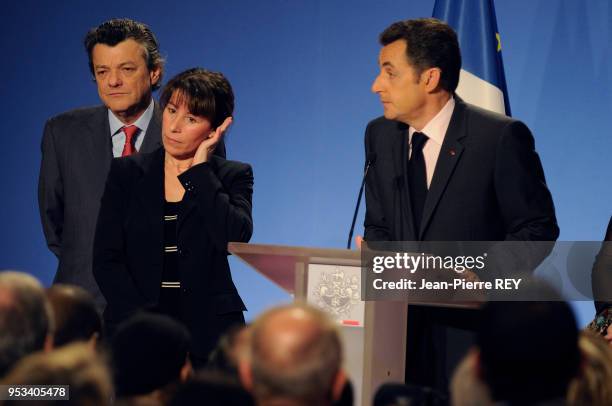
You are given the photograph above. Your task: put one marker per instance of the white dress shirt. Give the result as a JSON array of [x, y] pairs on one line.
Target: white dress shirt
[[118, 136], [435, 130]]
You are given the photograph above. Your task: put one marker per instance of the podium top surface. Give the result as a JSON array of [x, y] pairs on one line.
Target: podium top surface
[[278, 262]]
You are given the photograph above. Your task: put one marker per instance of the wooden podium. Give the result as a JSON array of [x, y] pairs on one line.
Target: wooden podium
[[373, 333]]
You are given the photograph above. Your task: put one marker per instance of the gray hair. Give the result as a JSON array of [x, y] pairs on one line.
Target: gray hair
[[25, 317], [77, 365]]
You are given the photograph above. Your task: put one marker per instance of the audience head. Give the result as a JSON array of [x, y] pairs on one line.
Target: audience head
[[26, 322], [399, 394], [528, 350], [466, 388], [296, 357], [231, 348], [593, 385], [214, 387], [76, 365], [150, 353], [75, 315]]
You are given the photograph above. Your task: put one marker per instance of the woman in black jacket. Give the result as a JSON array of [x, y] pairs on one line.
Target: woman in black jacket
[[166, 217]]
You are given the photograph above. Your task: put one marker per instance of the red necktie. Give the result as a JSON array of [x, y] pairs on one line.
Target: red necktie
[[128, 148]]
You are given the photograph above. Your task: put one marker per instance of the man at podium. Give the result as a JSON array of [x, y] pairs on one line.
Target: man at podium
[[445, 170]]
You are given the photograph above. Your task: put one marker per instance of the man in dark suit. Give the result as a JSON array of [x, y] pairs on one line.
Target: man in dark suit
[[445, 171], [78, 146]]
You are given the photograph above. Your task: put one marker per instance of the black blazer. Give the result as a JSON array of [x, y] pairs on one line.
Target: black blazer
[[128, 248], [488, 184], [76, 156]]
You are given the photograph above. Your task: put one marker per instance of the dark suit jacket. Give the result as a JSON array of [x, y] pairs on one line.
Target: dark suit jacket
[[76, 157], [488, 185], [128, 248]]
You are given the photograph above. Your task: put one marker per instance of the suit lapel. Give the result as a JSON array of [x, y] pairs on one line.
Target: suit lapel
[[450, 153], [152, 139], [150, 194], [403, 205], [189, 204], [100, 143], [186, 209]]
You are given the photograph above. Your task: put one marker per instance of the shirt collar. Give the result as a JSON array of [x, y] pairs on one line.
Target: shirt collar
[[435, 130], [142, 123]]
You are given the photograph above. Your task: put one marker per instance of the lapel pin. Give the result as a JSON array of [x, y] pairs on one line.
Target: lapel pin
[[452, 152]]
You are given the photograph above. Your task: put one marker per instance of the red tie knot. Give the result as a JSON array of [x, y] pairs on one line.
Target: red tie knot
[[130, 131], [128, 148]]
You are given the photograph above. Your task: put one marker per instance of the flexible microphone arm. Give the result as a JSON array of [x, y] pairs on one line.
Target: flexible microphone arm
[[369, 162]]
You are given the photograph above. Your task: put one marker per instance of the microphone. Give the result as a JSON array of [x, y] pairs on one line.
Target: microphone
[[370, 160]]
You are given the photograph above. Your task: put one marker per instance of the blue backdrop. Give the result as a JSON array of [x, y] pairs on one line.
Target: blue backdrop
[[302, 72]]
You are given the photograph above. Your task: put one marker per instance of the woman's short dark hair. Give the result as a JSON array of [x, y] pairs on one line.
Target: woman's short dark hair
[[117, 30], [429, 43], [205, 93]]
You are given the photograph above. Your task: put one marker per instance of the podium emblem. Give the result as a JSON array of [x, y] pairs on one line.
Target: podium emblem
[[337, 293]]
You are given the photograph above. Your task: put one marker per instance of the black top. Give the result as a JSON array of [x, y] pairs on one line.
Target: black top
[[170, 274], [170, 295]]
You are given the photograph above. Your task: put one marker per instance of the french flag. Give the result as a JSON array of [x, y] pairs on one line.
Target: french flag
[[482, 81]]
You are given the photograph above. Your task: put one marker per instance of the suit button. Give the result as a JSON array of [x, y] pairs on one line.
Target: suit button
[[189, 186]]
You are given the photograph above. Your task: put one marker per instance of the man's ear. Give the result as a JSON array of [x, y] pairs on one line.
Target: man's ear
[[186, 370], [246, 376], [48, 344], [93, 341], [155, 75], [338, 384], [432, 78], [475, 352]]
